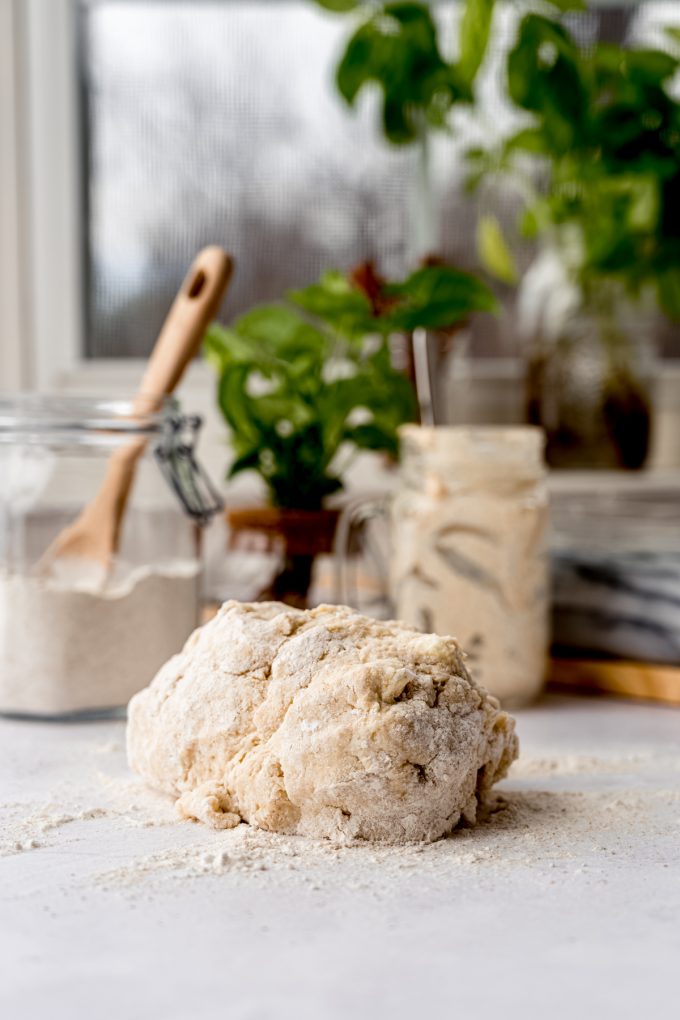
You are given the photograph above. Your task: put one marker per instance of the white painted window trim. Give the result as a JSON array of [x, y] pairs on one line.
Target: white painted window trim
[[13, 360], [48, 181]]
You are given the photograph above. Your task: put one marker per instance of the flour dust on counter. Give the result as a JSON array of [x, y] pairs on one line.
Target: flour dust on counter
[[533, 831], [554, 817]]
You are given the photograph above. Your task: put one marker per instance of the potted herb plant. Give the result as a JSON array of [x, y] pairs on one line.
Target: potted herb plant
[[604, 142], [304, 385]]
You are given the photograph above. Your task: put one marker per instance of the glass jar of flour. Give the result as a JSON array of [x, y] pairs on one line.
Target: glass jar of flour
[[468, 549], [76, 637]]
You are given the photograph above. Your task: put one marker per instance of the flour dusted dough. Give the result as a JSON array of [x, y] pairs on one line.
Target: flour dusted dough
[[322, 723]]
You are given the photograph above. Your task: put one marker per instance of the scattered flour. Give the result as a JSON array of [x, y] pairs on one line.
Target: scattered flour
[[577, 764], [26, 826], [550, 817], [538, 830]]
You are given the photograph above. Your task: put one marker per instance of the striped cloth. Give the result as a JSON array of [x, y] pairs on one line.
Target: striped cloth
[[624, 603]]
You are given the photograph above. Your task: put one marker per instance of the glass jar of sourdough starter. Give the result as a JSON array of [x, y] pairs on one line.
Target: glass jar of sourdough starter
[[78, 637], [468, 549]]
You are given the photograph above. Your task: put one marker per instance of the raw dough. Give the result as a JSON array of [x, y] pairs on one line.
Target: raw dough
[[322, 723]]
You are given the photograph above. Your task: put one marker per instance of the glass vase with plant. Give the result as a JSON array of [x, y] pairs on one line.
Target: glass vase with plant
[[424, 65], [307, 384], [603, 141]]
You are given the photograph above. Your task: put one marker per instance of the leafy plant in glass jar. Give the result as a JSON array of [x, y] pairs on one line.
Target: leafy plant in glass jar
[[307, 384], [602, 140], [424, 63]]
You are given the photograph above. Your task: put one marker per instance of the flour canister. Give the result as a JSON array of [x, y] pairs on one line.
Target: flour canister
[[74, 641], [469, 554]]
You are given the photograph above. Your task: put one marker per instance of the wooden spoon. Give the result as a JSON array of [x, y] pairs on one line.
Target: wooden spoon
[[86, 548]]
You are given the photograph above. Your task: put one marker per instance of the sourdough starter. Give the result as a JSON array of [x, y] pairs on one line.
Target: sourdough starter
[[67, 646], [468, 528]]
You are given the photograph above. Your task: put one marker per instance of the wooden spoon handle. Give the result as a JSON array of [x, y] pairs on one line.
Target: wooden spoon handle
[[95, 534], [191, 312]]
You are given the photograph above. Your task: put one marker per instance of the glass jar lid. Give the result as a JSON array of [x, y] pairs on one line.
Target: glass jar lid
[[92, 425], [476, 443], [80, 421]]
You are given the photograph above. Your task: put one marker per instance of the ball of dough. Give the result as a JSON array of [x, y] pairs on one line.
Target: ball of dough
[[322, 723]]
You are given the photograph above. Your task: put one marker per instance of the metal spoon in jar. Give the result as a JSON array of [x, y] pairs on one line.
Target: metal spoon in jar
[[85, 549]]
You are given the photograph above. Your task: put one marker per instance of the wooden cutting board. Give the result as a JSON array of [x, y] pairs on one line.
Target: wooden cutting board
[[643, 680]]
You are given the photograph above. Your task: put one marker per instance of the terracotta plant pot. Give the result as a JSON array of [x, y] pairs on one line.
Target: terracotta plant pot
[[298, 536]]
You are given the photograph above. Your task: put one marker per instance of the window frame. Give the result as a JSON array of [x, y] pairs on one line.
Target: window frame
[[13, 359], [47, 178]]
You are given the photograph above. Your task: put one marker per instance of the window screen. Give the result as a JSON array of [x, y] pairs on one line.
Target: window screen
[[218, 122]]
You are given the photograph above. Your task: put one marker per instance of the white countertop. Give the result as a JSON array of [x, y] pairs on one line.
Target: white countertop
[[564, 903]]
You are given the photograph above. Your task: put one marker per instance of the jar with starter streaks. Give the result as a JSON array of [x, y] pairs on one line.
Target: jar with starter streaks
[[468, 549]]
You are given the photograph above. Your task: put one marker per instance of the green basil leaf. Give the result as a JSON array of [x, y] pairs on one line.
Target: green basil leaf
[[474, 32], [494, 252], [222, 346], [363, 61], [528, 140], [651, 66], [371, 437], [334, 300], [235, 404], [248, 461], [438, 297], [669, 292], [568, 5], [339, 6], [545, 77], [398, 123], [397, 49], [529, 223], [281, 331]]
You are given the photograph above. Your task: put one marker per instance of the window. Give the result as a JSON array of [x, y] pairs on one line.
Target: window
[[145, 129], [219, 122], [213, 122]]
